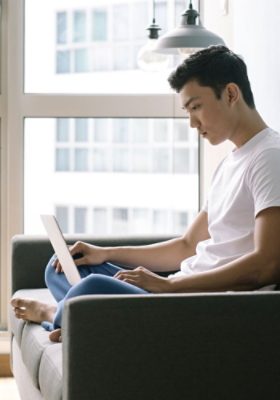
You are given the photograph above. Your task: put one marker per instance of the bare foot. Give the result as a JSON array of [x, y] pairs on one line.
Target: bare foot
[[33, 310], [55, 336]]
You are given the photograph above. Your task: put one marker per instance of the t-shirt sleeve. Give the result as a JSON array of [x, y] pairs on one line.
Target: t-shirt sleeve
[[205, 206], [264, 180]]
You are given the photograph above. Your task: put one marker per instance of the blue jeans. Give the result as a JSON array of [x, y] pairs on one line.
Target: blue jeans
[[96, 279]]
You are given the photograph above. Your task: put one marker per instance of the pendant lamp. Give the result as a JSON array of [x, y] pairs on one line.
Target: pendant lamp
[[147, 58], [188, 37]]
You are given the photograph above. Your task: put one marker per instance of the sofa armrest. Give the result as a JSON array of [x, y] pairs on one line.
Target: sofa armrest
[[192, 346], [30, 255]]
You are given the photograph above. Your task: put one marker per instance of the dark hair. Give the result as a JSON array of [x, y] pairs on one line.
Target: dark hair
[[215, 66]]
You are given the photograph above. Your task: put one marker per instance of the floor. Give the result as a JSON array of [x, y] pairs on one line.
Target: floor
[[8, 389]]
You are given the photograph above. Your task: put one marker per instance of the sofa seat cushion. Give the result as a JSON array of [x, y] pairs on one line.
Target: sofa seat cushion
[[33, 341], [50, 372]]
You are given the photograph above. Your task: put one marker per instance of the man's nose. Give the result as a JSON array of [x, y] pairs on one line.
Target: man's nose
[[194, 123]]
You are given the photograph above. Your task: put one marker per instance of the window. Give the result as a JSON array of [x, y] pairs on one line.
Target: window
[[101, 38], [62, 215], [80, 138], [61, 27], [82, 170], [135, 145], [99, 25], [79, 26], [81, 130], [62, 130], [104, 221], [80, 220], [63, 62], [62, 159]]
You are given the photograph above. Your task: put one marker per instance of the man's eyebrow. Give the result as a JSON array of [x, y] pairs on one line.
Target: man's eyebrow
[[186, 105]]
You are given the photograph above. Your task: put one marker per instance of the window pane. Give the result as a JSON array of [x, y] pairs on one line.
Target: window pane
[[140, 130], [100, 221], [62, 62], [121, 130], [90, 43], [160, 221], [62, 130], [181, 133], [140, 19], [129, 185], [161, 9], [122, 58], [121, 22], [100, 57], [100, 160], [80, 220], [181, 160], [100, 130], [62, 160], [161, 159], [141, 160], [161, 130], [180, 221], [62, 217], [81, 160], [61, 27], [81, 130], [81, 60], [141, 221], [99, 25], [79, 26], [120, 220], [121, 160]]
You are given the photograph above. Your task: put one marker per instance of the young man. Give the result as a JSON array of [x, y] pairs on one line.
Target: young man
[[233, 243]]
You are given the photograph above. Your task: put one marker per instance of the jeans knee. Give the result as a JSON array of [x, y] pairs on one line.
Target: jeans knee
[[50, 273], [93, 284]]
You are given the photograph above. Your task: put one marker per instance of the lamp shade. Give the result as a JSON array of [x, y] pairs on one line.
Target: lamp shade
[[187, 36]]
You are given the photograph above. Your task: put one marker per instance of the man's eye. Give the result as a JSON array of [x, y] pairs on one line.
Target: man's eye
[[195, 107]]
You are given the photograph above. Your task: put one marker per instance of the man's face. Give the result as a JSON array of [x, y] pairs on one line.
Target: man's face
[[208, 114]]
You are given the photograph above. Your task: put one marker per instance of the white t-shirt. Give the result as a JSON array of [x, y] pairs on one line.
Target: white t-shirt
[[246, 182]]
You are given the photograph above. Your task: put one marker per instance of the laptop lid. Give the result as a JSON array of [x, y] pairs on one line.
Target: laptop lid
[[61, 249]]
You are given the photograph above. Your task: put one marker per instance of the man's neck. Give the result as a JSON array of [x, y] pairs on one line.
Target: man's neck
[[249, 126]]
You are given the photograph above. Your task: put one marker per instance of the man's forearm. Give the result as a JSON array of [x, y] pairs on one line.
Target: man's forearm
[[246, 273], [165, 256]]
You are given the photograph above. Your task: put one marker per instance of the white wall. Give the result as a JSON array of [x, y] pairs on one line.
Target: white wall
[[256, 32]]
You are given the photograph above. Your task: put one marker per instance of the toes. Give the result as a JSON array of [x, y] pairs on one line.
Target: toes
[[18, 303], [15, 302], [19, 313], [55, 336]]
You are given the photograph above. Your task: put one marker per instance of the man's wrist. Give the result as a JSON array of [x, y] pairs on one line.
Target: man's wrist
[[110, 254], [168, 285]]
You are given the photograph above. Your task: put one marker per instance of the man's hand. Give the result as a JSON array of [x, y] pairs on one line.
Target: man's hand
[[144, 279], [90, 255]]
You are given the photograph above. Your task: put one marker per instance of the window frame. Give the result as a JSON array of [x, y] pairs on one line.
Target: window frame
[[15, 106]]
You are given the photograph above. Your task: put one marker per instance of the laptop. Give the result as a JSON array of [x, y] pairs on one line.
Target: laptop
[[61, 249]]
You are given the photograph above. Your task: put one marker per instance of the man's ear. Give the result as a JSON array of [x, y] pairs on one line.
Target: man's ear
[[232, 93]]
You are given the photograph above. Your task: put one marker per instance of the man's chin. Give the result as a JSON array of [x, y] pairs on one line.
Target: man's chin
[[214, 141]]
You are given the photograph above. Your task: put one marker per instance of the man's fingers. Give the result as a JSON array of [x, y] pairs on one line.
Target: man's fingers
[[81, 261], [122, 275], [76, 248]]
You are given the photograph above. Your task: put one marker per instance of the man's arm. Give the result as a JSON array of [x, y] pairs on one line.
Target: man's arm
[[259, 268], [165, 256]]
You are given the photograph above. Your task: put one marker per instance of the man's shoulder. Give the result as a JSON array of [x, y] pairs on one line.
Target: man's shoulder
[[268, 145]]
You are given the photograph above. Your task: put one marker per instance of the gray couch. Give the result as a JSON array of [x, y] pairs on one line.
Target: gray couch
[[154, 347]]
